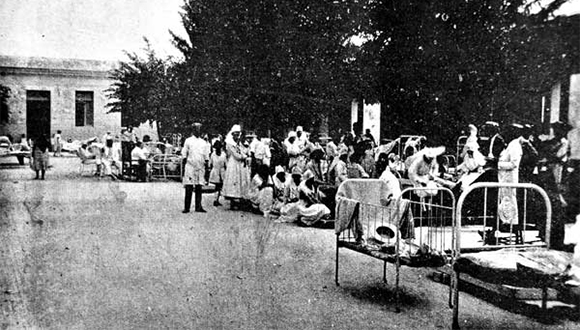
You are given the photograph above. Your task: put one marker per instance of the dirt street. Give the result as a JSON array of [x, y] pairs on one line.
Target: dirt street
[[83, 253]]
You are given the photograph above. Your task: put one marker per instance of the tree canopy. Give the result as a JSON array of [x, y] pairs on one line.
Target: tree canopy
[[276, 64], [450, 63]]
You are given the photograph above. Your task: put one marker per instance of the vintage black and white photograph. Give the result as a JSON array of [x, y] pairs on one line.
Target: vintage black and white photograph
[[290, 164]]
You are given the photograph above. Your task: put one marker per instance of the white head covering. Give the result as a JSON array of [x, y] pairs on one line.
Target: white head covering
[[291, 134], [299, 129], [229, 137], [278, 169]]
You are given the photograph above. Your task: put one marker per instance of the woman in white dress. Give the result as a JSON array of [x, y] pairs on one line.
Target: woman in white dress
[[261, 193], [307, 210], [237, 175]]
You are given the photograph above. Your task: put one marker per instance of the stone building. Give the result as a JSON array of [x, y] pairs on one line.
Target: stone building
[[48, 94]]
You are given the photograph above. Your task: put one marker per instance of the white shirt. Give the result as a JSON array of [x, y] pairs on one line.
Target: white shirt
[[138, 154], [393, 184], [292, 149], [196, 151]]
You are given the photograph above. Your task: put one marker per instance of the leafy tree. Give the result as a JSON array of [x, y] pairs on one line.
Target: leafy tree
[[141, 90], [444, 64], [271, 64]]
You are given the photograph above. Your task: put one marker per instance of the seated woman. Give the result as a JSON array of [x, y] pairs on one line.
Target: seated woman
[[391, 177], [85, 152], [355, 170], [261, 194], [423, 170], [471, 166], [307, 210], [279, 185]]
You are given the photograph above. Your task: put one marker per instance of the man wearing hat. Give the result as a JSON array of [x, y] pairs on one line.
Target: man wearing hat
[[196, 154]]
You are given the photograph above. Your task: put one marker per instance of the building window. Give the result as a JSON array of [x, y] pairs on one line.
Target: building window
[[84, 110]]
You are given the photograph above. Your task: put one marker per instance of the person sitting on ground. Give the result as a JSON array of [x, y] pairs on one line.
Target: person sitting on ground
[[138, 155], [279, 184], [307, 210], [315, 165], [261, 193]]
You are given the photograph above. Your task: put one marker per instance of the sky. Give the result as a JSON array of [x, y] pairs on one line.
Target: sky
[[98, 29], [88, 29]]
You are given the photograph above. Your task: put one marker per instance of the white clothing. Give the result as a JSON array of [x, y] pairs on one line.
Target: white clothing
[[138, 154], [393, 184], [196, 153], [508, 172]]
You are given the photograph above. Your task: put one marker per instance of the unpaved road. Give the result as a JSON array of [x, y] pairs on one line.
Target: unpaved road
[[82, 253]]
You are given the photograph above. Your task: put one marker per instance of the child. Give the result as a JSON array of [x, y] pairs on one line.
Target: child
[[218, 170], [58, 144]]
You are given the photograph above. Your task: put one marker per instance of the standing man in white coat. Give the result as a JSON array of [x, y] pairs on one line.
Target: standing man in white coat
[[196, 154]]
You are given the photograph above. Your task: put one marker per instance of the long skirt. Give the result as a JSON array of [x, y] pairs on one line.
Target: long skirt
[[236, 180], [40, 161], [262, 199], [299, 211]]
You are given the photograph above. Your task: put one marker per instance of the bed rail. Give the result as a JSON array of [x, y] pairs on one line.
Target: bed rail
[[411, 231], [501, 224]]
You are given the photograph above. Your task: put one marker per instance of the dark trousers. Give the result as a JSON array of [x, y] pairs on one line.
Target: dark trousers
[[142, 170], [189, 194]]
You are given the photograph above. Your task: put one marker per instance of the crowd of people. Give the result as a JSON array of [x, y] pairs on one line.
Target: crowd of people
[[296, 178]]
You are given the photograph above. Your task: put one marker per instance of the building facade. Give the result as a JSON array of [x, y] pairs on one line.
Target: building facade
[[47, 95]]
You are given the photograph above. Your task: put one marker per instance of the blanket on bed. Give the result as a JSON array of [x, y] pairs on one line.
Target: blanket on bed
[[519, 267]]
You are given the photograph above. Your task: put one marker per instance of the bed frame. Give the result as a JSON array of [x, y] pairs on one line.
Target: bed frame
[[522, 242], [426, 240]]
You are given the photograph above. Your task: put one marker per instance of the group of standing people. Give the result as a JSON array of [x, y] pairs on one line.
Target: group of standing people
[[295, 179], [518, 155]]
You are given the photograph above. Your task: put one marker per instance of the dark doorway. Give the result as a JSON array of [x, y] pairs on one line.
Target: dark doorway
[[37, 114]]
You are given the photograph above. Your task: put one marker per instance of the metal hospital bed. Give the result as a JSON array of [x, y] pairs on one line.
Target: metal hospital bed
[[517, 254], [407, 231]]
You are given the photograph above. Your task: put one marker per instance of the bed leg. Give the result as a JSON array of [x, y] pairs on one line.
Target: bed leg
[[385, 271], [544, 298], [397, 295], [455, 323], [336, 264], [451, 286]]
